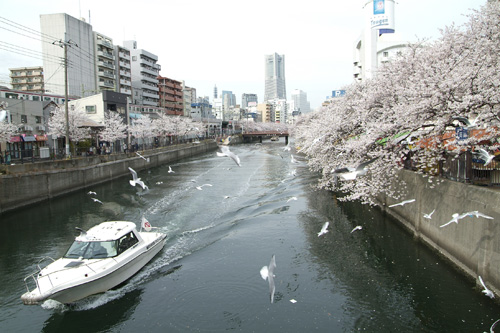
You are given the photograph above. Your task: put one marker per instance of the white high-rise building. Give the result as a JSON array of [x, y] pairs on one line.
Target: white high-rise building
[[77, 36], [378, 42], [275, 87], [145, 71], [300, 104]]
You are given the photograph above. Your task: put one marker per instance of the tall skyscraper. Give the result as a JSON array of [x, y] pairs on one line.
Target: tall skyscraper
[[275, 77]]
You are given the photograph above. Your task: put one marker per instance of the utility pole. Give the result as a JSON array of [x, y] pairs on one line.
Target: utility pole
[[64, 45]]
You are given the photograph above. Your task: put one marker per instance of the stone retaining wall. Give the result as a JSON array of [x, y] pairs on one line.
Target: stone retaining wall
[[473, 244], [30, 183]]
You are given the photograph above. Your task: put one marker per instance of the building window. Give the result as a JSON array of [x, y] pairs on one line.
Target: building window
[[134, 58], [24, 118], [90, 109], [386, 54], [38, 119]]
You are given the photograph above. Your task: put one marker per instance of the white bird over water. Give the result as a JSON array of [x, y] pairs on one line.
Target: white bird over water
[[170, 170], [356, 228], [267, 272], [97, 200], [402, 203], [145, 159], [350, 173], [323, 229], [199, 188], [135, 180], [486, 291], [227, 153], [429, 216], [91, 193], [292, 198]]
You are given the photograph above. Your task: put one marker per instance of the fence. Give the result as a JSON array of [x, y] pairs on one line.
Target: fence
[[463, 168]]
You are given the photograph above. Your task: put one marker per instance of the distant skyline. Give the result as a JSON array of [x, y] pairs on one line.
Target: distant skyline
[[215, 43]]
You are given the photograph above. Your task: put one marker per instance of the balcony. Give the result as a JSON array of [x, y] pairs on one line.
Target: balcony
[[107, 84], [105, 55], [108, 74], [125, 82], [123, 55], [150, 95], [125, 64], [104, 43], [106, 64], [126, 91], [149, 71]]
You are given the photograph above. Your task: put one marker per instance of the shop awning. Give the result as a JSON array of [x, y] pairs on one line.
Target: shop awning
[[29, 138], [15, 139], [41, 137]]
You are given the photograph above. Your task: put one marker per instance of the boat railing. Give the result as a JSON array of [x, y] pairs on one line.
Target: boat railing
[[33, 275]]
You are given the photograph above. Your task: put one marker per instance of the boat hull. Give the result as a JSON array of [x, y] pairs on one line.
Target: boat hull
[[100, 282]]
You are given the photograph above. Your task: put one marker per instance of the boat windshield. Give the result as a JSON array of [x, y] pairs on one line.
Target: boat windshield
[[91, 250]]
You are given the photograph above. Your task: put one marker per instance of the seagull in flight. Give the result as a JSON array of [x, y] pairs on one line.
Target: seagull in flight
[[402, 203], [484, 155], [455, 218], [91, 193], [356, 228], [267, 272], [227, 153], [200, 187], [429, 216], [292, 198], [145, 159], [486, 291], [350, 173], [170, 170], [323, 229], [135, 180], [478, 215], [97, 200]]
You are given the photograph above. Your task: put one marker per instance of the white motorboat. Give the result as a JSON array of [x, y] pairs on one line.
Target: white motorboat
[[99, 259]]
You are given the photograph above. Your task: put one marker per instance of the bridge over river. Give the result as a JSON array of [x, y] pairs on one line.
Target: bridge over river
[[250, 136]]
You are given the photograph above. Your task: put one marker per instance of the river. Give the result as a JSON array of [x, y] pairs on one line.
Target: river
[[206, 279]]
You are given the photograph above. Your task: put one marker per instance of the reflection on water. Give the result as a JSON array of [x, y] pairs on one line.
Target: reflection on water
[[377, 279]]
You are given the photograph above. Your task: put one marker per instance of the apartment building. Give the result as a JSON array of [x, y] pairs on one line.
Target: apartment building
[[29, 79]]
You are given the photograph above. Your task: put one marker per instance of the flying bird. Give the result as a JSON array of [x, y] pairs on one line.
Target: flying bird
[[455, 218], [350, 173], [486, 291], [170, 170], [200, 187], [323, 229], [293, 301], [267, 272], [293, 160], [477, 214], [402, 203], [91, 193], [292, 198], [135, 180], [429, 216], [484, 155], [145, 159], [356, 228], [227, 153], [97, 200]]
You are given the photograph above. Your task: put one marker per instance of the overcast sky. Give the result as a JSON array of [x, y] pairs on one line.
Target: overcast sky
[[223, 42]]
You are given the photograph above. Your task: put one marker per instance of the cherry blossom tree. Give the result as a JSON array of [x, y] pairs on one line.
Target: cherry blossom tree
[[115, 128], [411, 108], [7, 129], [143, 128], [76, 118]]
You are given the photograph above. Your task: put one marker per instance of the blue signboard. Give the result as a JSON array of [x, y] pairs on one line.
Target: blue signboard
[[338, 93], [461, 134], [378, 7]]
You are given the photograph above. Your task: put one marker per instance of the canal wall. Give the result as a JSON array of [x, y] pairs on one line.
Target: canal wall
[[472, 245], [25, 184]]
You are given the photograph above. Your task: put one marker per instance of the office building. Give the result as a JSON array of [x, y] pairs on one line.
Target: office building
[[275, 87], [299, 102], [77, 37], [248, 98]]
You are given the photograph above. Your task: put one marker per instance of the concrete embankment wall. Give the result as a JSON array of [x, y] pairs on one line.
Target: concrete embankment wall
[[473, 244], [30, 183]]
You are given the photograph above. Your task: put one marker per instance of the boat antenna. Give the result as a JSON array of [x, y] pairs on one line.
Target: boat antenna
[[82, 232]]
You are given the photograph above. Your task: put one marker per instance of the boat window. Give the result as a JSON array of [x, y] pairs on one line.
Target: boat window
[[91, 250], [126, 242]]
